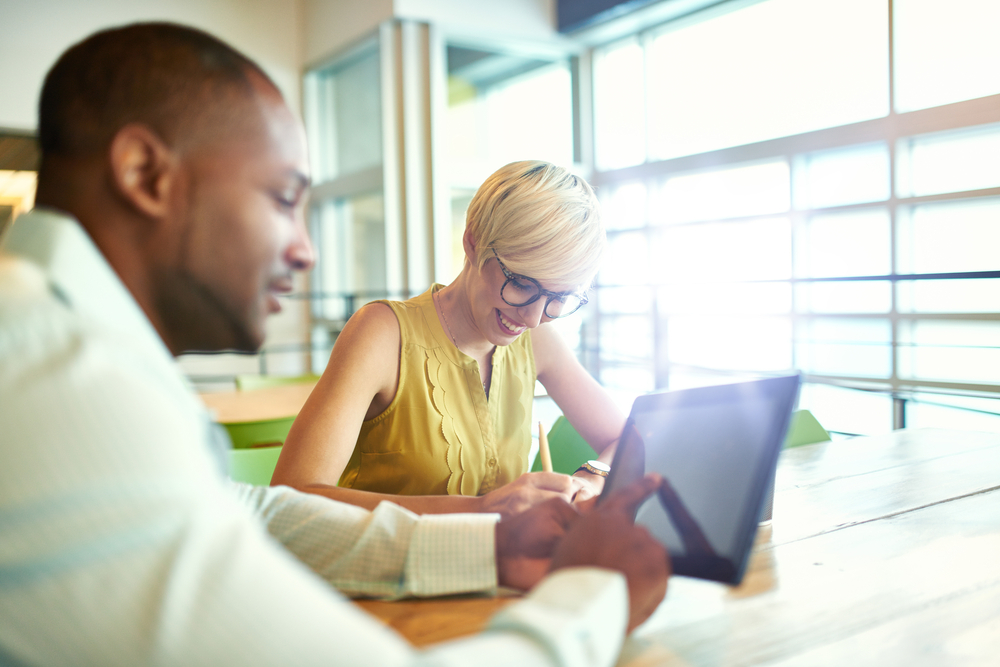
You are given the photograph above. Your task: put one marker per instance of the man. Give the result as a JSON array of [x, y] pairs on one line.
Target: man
[[169, 218]]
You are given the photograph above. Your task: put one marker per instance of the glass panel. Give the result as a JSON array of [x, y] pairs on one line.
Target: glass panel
[[619, 104], [772, 69], [626, 262], [734, 298], [950, 351], [848, 410], [632, 380], [949, 237], [744, 190], [738, 343], [945, 51], [851, 175], [853, 243], [839, 346], [624, 207], [345, 117], [954, 412], [948, 296], [948, 161], [460, 200], [723, 251], [504, 107], [350, 249], [853, 297], [626, 338], [633, 300]]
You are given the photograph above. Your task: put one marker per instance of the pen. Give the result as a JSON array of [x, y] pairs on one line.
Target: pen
[[543, 449]]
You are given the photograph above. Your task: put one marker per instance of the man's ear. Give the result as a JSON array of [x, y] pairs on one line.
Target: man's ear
[[142, 169]]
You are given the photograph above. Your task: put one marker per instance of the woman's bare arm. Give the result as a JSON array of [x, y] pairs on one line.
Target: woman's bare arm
[[584, 402]]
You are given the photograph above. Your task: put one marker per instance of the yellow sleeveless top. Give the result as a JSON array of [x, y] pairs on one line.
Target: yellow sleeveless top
[[440, 435]]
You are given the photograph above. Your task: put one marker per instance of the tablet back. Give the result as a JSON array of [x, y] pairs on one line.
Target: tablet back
[[717, 448]]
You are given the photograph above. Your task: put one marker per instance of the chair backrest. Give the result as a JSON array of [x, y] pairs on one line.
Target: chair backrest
[[263, 433], [253, 466], [569, 449], [251, 382], [804, 429]]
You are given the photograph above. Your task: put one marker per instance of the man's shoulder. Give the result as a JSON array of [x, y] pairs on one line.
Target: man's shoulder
[[21, 282], [33, 318]]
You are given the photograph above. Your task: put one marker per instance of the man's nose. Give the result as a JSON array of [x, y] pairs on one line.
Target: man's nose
[[300, 254]]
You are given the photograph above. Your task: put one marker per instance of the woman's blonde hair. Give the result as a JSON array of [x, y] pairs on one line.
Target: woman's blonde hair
[[543, 222]]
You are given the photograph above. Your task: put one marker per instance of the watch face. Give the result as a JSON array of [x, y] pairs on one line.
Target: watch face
[[600, 465]]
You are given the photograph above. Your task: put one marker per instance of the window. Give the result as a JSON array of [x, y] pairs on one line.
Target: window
[[503, 107], [769, 212]]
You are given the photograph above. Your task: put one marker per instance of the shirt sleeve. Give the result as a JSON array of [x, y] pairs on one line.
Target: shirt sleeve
[[121, 545], [390, 552]]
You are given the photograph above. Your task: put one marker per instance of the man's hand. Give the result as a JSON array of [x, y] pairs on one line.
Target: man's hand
[[528, 490], [606, 537], [525, 542]]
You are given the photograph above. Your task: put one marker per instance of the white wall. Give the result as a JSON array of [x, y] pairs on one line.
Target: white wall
[[36, 32]]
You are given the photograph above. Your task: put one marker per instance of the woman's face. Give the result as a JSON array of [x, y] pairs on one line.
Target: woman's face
[[499, 322]]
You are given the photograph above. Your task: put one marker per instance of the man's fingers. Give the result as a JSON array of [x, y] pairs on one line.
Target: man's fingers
[[627, 500]]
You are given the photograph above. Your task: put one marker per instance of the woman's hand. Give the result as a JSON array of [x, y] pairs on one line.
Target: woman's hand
[[528, 490], [586, 485]]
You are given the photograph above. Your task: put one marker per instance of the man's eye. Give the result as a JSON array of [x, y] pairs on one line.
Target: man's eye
[[285, 201]]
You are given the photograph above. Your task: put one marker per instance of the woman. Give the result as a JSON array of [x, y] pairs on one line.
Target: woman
[[428, 402]]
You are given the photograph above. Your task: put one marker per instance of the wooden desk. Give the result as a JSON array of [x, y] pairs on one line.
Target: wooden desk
[[883, 551], [257, 404]]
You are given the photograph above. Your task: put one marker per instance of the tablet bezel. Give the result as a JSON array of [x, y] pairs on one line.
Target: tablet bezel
[[627, 465]]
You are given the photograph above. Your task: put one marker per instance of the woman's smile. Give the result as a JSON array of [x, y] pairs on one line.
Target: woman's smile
[[509, 327]]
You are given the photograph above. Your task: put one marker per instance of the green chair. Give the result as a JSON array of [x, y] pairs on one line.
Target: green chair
[[251, 382], [253, 466], [256, 446], [804, 429], [569, 449], [263, 433]]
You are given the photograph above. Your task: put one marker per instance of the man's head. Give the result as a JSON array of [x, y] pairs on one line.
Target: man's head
[[182, 161]]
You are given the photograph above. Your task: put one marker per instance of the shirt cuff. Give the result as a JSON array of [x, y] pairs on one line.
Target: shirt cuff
[[452, 553], [579, 615]]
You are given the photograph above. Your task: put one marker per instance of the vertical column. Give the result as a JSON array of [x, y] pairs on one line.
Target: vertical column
[[409, 52]]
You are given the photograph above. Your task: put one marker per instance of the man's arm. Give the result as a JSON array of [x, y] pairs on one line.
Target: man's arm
[[389, 552]]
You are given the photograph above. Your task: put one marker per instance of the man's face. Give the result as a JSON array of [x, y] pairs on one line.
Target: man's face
[[241, 231]]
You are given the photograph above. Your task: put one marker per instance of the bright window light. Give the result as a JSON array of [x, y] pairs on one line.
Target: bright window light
[[755, 189], [945, 51], [954, 161], [619, 105], [853, 175], [769, 70]]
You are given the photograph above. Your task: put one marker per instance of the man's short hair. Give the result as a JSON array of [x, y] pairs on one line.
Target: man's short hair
[[167, 76]]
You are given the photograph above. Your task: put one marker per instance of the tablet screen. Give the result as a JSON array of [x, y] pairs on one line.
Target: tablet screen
[[716, 447]]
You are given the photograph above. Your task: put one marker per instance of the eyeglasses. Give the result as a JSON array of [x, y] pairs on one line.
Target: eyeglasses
[[521, 291]]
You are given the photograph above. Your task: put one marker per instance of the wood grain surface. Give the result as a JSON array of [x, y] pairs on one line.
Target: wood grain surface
[[257, 404], [882, 551]]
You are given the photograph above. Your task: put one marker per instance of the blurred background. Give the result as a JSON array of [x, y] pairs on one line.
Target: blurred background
[[808, 185]]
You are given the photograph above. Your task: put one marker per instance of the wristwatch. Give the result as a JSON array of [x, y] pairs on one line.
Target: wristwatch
[[595, 468]]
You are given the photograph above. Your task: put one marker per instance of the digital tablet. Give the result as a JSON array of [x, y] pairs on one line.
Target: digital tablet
[[717, 448]]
